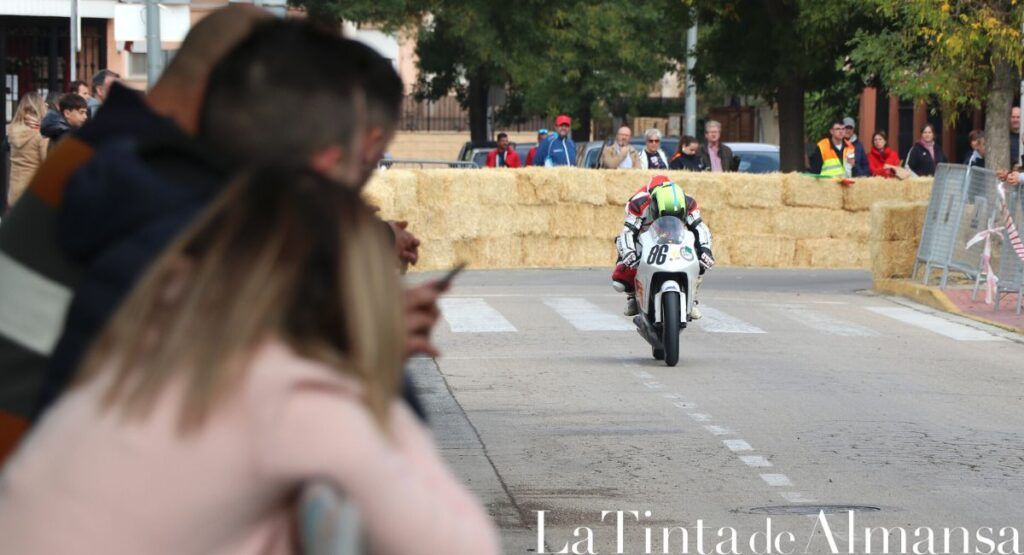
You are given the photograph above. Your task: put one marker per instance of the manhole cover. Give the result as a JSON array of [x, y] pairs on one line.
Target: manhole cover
[[812, 509]]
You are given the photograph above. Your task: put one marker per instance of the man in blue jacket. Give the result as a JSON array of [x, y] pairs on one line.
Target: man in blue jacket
[[860, 164], [557, 149]]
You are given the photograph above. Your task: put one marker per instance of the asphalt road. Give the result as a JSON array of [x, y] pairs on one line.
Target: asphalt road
[[800, 391]]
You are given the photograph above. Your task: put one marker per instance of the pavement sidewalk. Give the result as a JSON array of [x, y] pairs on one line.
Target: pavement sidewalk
[[956, 299]]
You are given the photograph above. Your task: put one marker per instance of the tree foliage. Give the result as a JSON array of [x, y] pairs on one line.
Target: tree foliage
[[779, 50], [964, 54]]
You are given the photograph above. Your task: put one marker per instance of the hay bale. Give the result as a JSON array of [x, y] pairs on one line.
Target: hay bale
[[896, 220], [751, 191], [806, 222], [918, 189], [493, 187], [893, 259], [802, 191], [770, 251], [832, 253], [485, 253], [539, 185], [739, 221], [861, 195], [541, 251]]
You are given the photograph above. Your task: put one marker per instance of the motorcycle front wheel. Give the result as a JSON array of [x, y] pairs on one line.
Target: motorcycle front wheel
[[670, 319]]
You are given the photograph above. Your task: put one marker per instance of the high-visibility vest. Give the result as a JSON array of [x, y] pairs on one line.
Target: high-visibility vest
[[831, 165]]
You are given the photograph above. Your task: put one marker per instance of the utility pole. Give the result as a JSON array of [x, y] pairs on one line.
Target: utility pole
[[74, 41], [154, 53], [691, 85]]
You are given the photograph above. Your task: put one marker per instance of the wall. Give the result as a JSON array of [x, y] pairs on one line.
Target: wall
[[539, 217]]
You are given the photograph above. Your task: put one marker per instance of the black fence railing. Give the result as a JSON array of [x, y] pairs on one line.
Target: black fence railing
[[446, 114]]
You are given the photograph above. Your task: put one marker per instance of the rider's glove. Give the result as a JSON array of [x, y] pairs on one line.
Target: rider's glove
[[631, 259], [706, 260]]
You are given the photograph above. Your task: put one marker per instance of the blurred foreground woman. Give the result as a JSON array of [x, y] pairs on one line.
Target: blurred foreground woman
[[262, 350]]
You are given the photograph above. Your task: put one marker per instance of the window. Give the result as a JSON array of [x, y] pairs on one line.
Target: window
[[137, 62]]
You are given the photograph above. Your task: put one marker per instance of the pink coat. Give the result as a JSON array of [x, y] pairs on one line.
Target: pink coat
[[87, 481]]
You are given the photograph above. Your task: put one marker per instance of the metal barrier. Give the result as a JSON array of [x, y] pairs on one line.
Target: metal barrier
[[964, 203], [388, 163], [328, 523]]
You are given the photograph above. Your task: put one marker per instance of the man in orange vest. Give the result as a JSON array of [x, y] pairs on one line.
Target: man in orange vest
[[835, 155]]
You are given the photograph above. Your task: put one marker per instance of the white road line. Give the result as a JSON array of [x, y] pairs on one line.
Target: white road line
[[586, 316], [653, 385], [716, 321], [473, 315], [645, 375], [935, 324], [796, 497], [699, 416], [672, 396], [825, 323], [719, 430], [737, 445], [755, 461], [777, 480], [685, 405]]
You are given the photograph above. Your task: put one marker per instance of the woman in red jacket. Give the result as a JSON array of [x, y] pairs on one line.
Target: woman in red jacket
[[882, 160]]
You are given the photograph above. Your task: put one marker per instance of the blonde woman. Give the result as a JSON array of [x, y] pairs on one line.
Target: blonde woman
[[28, 147], [261, 351]]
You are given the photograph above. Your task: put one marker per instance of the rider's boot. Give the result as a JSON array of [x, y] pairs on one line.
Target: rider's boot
[[631, 306], [695, 313]]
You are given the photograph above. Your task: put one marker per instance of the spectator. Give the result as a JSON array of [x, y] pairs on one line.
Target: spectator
[[149, 191], [834, 155], [714, 154], [652, 157], [860, 166], [882, 160], [81, 88], [28, 146], [253, 358], [101, 82], [73, 112], [925, 154], [620, 155], [169, 110], [558, 150], [687, 156], [504, 156], [1015, 159], [976, 158], [541, 135]]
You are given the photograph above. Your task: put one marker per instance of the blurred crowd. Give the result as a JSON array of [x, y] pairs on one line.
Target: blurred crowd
[[203, 314]]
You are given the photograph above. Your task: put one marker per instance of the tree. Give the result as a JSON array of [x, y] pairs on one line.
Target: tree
[[598, 54], [963, 54], [779, 50]]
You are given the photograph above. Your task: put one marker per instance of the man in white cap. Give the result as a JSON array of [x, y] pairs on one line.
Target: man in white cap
[[558, 149], [860, 165]]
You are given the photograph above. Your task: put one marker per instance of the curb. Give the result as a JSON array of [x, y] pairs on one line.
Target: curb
[[933, 297]]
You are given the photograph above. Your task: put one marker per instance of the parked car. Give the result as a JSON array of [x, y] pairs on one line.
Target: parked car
[[749, 157]]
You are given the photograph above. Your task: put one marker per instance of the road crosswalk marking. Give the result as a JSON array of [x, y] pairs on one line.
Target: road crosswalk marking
[[586, 316], [935, 324], [716, 321], [473, 315], [825, 323]]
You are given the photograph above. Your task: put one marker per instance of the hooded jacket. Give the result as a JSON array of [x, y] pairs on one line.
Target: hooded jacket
[[53, 127], [28, 150], [118, 215]]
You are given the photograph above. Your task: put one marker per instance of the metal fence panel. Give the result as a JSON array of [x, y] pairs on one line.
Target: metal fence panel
[[1010, 267], [941, 225], [979, 206]]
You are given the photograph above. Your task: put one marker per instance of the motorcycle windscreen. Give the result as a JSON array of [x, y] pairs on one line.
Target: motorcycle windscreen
[[668, 230]]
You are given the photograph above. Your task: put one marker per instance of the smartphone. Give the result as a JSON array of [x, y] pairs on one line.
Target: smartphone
[[446, 281]]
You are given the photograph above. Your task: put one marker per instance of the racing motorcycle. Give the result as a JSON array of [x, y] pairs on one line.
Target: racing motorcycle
[[665, 279]]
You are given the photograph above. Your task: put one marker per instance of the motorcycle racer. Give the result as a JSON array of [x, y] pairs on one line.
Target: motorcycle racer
[[660, 197]]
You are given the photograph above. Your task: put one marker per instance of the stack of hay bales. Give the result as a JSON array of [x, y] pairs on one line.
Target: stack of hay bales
[[895, 235], [568, 217]]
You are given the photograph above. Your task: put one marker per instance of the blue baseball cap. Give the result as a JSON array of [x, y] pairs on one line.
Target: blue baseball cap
[[542, 131]]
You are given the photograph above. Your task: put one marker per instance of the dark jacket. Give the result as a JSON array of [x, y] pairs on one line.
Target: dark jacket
[[1015, 148], [724, 152], [53, 127], [974, 159], [921, 162], [860, 168], [691, 162], [27, 236], [119, 213]]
